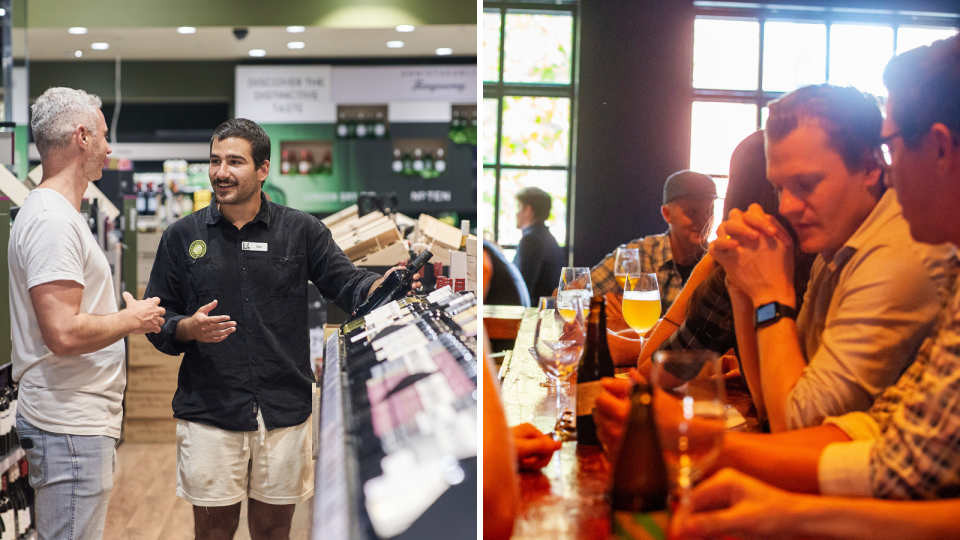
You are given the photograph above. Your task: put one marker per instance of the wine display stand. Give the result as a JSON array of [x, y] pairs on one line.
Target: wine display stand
[[397, 425]]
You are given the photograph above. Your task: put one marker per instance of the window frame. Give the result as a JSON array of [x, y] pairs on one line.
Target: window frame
[[499, 90], [805, 14]]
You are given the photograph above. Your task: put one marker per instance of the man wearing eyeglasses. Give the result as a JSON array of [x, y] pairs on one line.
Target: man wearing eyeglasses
[[872, 296]]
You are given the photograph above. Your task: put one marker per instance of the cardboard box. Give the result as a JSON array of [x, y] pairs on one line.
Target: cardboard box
[[153, 378], [149, 405], [142, 353], [147, 244], [149, 431]]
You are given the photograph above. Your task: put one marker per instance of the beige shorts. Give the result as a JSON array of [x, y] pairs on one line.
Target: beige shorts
[[216, 467]]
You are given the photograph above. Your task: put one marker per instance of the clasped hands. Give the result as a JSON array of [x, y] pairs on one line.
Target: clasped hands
[[757, 254]]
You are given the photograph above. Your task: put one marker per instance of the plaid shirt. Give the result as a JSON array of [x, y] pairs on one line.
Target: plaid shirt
[[655, 256], [709, 326], [917, 454]]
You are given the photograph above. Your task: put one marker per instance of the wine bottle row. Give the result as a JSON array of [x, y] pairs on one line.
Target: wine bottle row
[[412, 372], [16, 503]]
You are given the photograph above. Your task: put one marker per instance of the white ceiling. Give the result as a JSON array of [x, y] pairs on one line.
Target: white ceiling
[[219, 43]]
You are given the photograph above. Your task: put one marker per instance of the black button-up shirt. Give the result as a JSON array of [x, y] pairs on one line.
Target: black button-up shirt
[[258, 275]]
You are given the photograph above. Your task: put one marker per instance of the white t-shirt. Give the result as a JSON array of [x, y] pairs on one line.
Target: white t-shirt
[[76, 394]]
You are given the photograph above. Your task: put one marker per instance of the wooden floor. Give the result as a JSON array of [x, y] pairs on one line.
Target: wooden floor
[[144, 505]]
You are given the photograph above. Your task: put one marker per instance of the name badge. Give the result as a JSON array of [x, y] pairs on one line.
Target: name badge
[[254, 246]]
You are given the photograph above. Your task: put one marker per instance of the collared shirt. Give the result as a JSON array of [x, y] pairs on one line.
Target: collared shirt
[[540, 260], [906, 446], [655, 257], [865, 314], [258, 276]]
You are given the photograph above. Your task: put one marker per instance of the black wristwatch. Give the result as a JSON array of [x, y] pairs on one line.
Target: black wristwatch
[[768, 314]]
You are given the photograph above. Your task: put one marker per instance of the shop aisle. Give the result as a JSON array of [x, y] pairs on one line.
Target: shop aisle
[[144, 505]]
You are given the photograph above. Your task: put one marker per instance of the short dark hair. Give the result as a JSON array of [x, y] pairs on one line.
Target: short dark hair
[[850, 118], [925, 85], [538, 199], [248, 130]]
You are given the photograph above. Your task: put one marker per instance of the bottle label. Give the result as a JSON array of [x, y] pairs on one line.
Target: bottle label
[[587, 394], [641, 526]]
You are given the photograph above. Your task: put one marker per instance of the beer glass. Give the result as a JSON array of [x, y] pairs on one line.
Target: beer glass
[[625, 261], [574, 283], [558, 344], [688, 407], [641, 303]]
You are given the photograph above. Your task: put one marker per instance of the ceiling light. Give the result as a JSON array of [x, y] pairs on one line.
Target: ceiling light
[[258, 52], [296, 45], [77, 30], [395, 44], [295, 29], [444, 51], [405, 28], [99, 46], [186, 30], [78, 54]]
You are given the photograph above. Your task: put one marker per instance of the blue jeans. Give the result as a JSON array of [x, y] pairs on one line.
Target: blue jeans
[[72, 476]]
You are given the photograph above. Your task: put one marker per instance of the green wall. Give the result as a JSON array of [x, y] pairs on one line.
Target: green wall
[[170, 13]]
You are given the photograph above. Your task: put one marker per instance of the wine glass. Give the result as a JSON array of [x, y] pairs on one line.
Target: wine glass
[[558, 344], [547, 303], [688, 407], [641, 302], [574, 282], [626, 261]]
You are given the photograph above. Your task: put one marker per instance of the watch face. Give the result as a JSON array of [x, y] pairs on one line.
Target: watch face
[[766, 312]]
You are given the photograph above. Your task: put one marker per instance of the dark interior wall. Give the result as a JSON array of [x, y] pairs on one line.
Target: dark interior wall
[[633, 119]]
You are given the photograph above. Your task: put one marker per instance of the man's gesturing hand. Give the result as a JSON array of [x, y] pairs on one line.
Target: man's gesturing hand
[[147, 313], [204, 328]]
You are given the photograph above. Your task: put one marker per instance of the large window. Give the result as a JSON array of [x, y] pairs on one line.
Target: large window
[[744, 58], [529, 59]]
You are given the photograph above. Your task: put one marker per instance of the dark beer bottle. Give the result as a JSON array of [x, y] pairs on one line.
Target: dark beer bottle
[[595, 364], [640, 488]]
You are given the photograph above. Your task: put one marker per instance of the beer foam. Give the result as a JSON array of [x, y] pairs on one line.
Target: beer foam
[[642, 295]]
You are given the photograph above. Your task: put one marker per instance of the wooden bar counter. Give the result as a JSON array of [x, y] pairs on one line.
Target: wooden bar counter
[[568, 498]]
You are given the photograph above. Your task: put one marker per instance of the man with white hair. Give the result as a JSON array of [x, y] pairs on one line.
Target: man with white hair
[[68, 351]]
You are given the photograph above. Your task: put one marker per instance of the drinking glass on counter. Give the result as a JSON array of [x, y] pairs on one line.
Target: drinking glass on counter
[[558, 344], [689, 398], [574, 283], [641, 303], [626, 261], [547, 303]]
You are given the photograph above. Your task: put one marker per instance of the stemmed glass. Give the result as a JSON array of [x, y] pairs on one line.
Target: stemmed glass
[[626, 261], [641, 302], [688, 407], [558, 344], [550, 303], [574, 283]]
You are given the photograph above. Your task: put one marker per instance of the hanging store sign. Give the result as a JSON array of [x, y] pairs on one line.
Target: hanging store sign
[[284, 94], [405, 83]]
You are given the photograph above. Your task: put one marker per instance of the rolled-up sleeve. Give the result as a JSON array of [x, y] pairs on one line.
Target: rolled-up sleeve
[[165, 284], [331, 271], [883, 307]]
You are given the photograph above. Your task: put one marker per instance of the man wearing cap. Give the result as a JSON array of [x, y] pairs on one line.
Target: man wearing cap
[[688, 210]]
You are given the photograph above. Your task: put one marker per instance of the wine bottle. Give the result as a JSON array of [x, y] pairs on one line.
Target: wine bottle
[[6, 513], [393, 287], [464, 233], [361, 129], [418, 160], [285, 162], [379, 128], [638, 498], [343, 128], [397, 164], [595, 363], [440, 163]]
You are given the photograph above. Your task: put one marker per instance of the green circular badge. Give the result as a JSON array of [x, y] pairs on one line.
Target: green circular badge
[[198, 249]]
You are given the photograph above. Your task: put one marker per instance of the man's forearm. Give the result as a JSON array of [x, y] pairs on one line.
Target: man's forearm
[[788, 460], [183, 332], [873, 519], [86, 333], [781, 366]]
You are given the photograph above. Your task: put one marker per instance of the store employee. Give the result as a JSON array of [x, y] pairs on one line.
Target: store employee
[[233, 280]]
